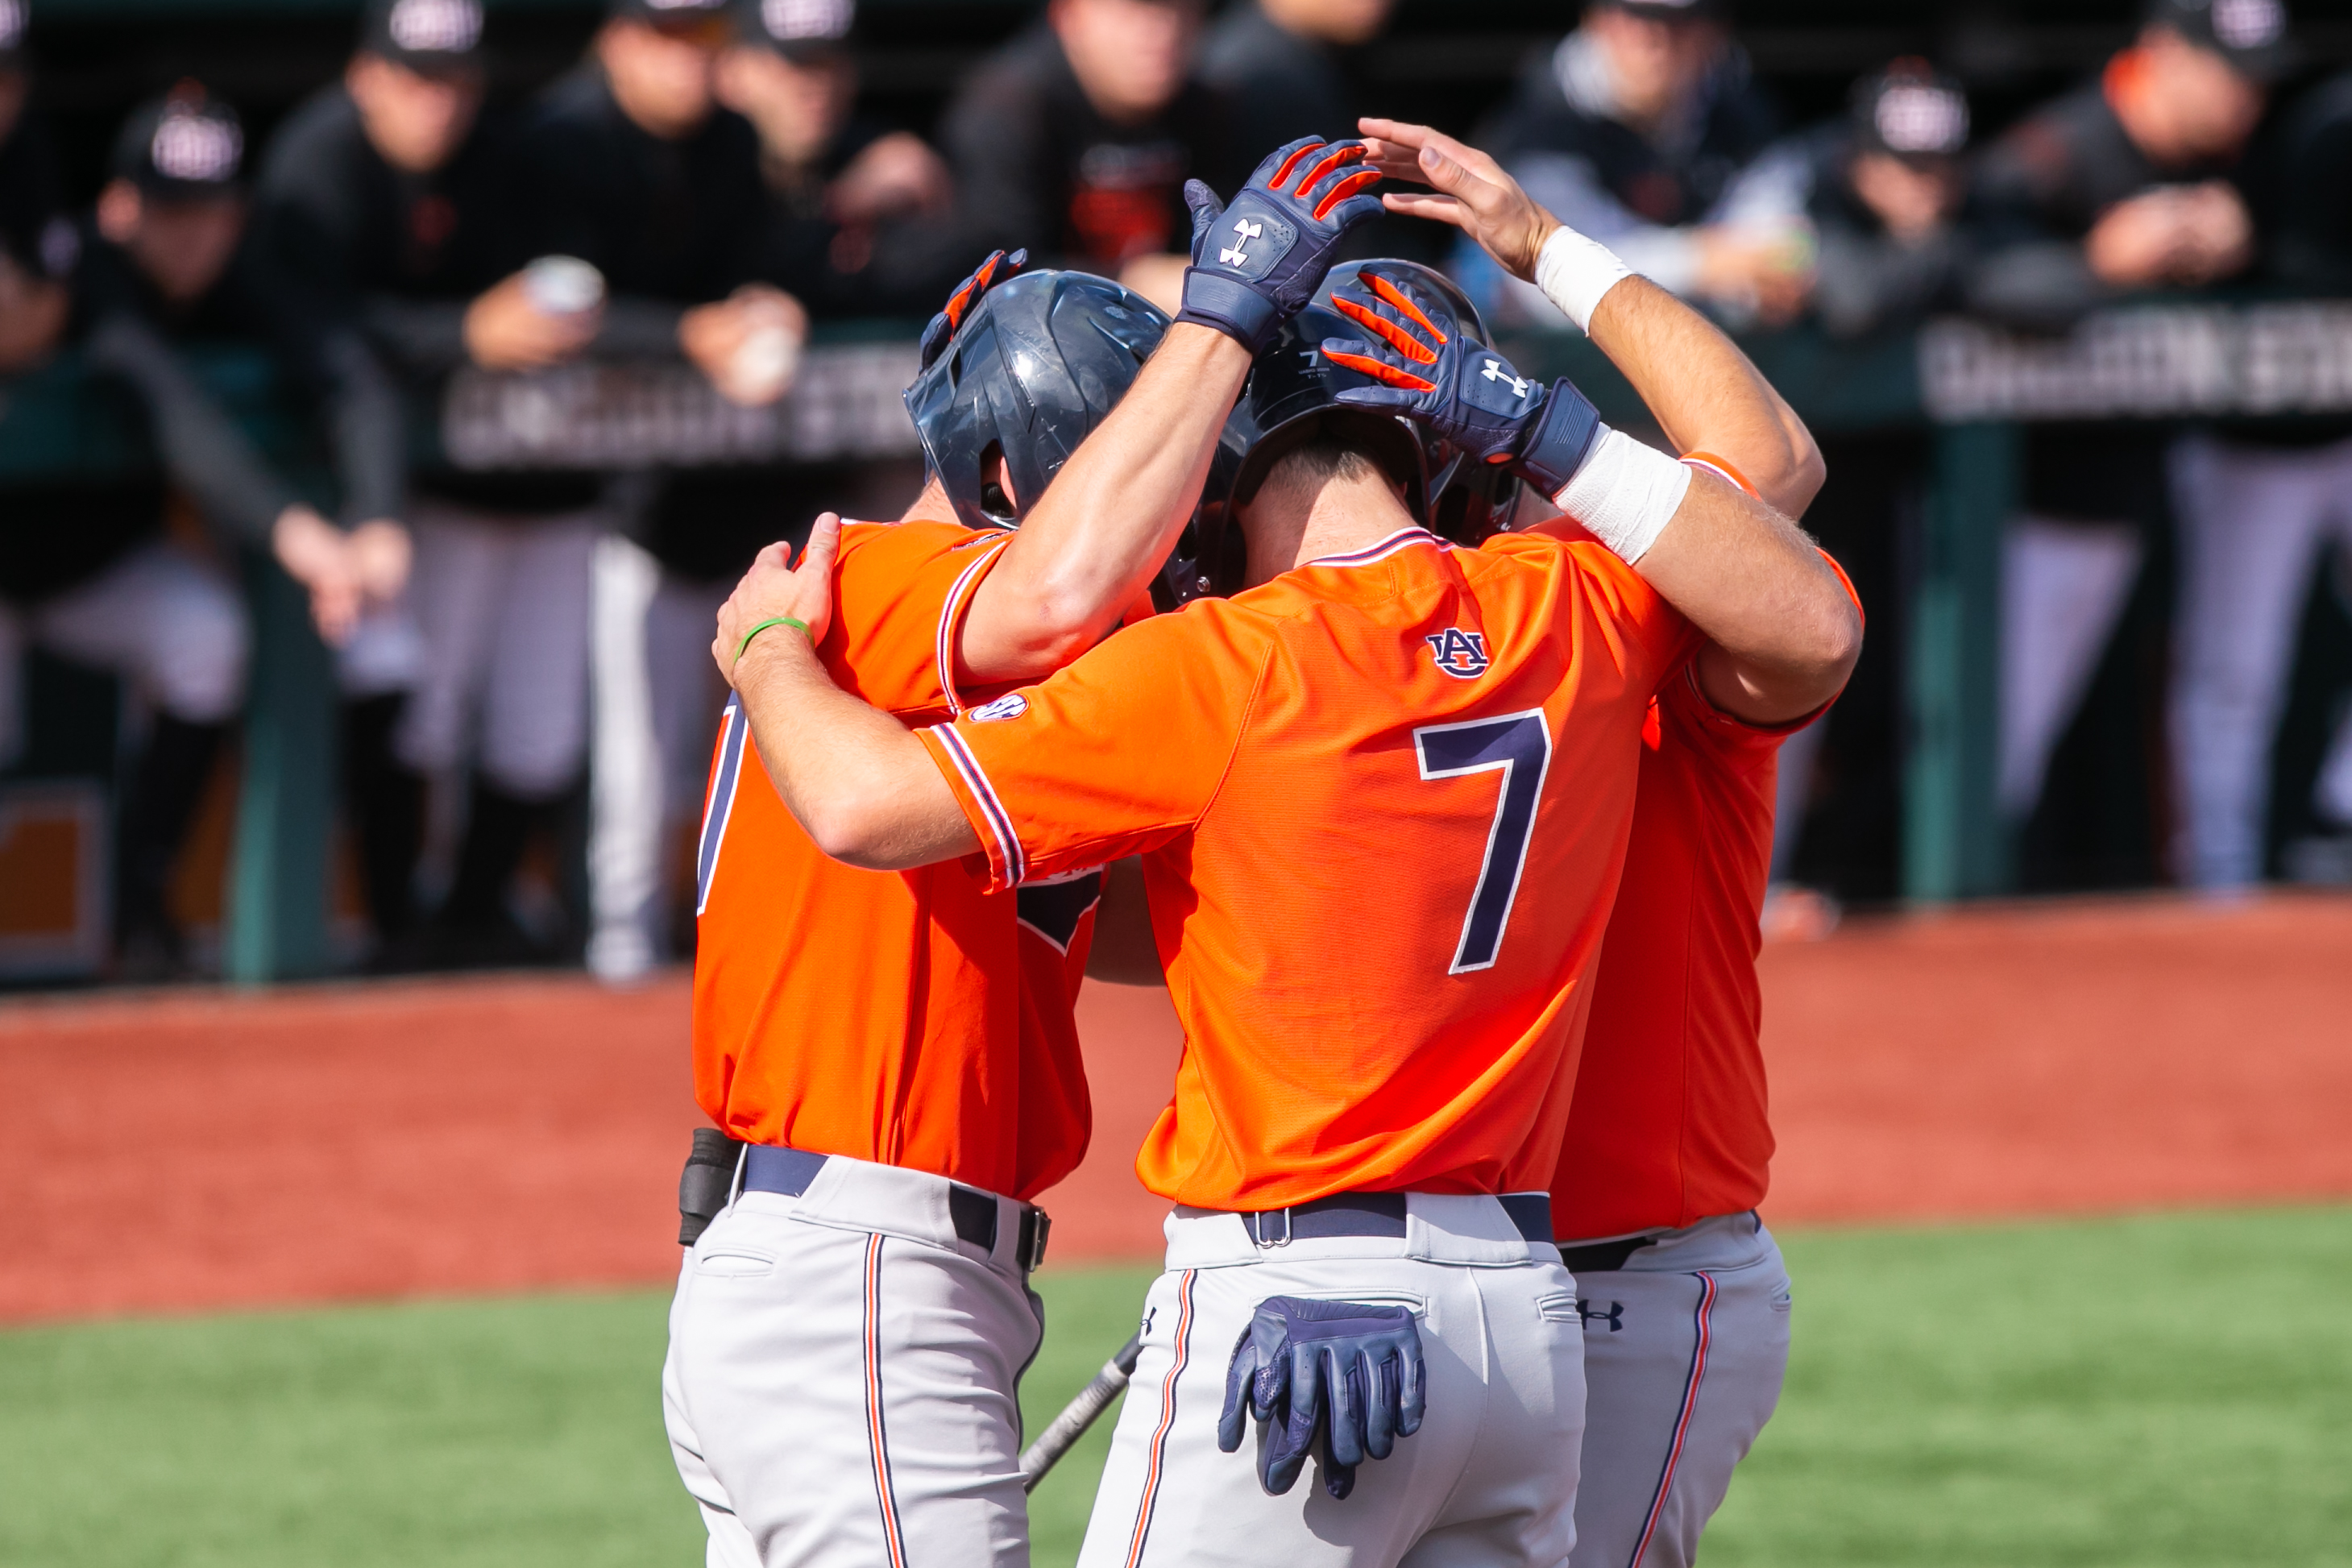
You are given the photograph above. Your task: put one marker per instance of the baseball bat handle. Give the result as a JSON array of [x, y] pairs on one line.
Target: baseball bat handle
[[1081, 1413]]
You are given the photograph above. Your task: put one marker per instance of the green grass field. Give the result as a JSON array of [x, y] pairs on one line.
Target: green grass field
[[2146, 1391]]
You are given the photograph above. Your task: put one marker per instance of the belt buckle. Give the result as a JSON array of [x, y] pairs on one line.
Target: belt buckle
[[1257, 1230], [1035, 1223]]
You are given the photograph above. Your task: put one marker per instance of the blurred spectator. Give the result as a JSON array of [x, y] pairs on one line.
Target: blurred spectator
[[1075, 139], [161, 266], [633, 164], [855, 210], [1631, 132], [2261, 503], [378, 222], [2117, 185], [37, 239], [1881, 191], [1284, 66]]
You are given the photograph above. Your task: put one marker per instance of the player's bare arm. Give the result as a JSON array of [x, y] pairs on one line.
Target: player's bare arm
[[1714, 401], [1784, 632], [859, 784], [1089, 547]]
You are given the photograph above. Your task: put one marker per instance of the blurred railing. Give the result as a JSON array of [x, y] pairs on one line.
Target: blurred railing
[[1971, 383]]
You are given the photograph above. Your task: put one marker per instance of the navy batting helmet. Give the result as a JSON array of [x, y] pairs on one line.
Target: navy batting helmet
[[1032, 368], [1292, 399]]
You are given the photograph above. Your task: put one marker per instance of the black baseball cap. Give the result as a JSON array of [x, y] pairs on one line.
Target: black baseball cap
[[796, 29], [431, 36], [16, 20], [2251, 34], [1675, 10], [671, 16], [1912, 111], [186, 145]]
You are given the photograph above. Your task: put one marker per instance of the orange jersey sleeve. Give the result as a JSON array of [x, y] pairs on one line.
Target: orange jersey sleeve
[[900, 593], [894, 1017], [1381, 801]]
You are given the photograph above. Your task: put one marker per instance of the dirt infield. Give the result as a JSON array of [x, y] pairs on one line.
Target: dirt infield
[[197, 1150]]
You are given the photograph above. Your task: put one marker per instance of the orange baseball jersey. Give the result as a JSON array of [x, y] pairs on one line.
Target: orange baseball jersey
[[1382, 801], [916, 1018], [1668, 1125]]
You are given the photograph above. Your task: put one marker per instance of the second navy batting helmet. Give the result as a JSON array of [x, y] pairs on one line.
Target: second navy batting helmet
[[1292, 399], [1035, 363]]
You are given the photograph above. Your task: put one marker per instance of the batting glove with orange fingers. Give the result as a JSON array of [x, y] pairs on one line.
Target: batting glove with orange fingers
[[1255, 264], [1457, 388], [996, 270]]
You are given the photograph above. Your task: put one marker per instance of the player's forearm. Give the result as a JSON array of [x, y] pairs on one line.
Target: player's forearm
[[1785, 631], [1705, 393], [857, 781], [1090, 545]]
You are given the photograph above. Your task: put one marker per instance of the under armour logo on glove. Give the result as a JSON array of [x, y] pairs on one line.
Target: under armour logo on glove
[[1495, 370], [1347, 1370], [1428, 371], [1257, 263], [1244, 231], [996, 270]]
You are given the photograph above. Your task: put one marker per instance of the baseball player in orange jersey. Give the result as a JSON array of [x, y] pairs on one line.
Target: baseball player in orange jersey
[[849, 1331], [1681, 1293], [898, 1051], [1369, 757]]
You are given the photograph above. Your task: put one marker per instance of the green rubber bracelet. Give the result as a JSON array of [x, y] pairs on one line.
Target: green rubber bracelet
[[763, 625]]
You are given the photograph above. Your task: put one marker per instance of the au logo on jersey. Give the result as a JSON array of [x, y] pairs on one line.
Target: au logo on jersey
[[1460, 653]]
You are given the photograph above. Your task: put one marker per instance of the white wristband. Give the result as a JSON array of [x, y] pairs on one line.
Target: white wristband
[[1624, 493], [1574, 273]]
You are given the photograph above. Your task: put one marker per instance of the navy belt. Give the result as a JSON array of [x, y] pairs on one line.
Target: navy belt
[[1602, 1256], [770, 1169], [1377, 1214]]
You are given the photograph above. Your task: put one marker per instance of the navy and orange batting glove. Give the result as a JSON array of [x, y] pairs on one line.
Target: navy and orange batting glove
[[996, 270], [1458, 389], [1348, 1371], [1255, 264]]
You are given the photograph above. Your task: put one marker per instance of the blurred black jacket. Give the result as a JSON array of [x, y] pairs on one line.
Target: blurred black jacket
[[371, 270], [1035, 165]]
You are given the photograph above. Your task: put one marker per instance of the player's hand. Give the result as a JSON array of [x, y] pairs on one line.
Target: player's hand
[[1257, 263], [748, 343], [896, 175], [1424, 368], [1469, 189], [1349, 1369], [504, 331], [994, 268], [315, 553], [775, 587], [381, 553]]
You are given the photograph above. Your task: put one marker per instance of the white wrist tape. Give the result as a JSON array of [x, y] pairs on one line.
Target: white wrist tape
[[1574, 273], [1624, 494]]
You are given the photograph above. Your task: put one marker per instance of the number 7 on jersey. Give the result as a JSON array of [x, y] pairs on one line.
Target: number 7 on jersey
[[1517, 746]]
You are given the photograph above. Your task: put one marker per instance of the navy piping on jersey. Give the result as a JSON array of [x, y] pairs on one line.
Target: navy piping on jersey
[[734, 728], [1382, 551], [1000, 821], [943, 645]]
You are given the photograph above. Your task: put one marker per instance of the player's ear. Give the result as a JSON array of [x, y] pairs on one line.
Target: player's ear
[[996, 490]]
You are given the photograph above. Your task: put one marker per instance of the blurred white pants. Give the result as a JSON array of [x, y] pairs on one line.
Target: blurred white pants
[[841, 1389], [168, 622], [2254, 523], [2064, 587], [1685, 1350], [658, 698], [1488, 1479], [501, 605]]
